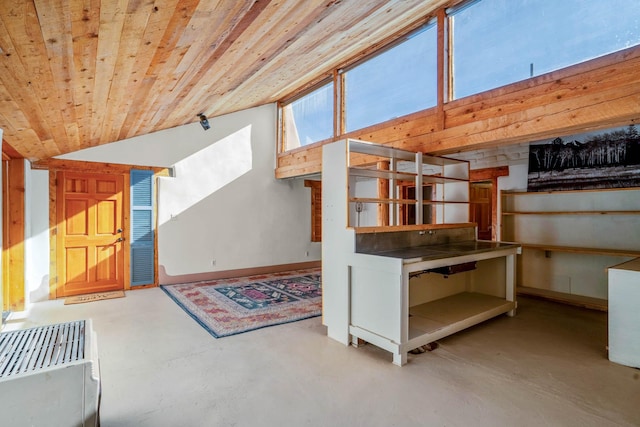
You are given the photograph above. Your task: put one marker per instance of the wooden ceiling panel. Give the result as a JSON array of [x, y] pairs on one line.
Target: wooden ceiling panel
[[80, 73]]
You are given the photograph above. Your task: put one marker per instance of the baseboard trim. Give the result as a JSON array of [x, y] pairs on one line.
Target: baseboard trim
[[166, 279], [570, 299]]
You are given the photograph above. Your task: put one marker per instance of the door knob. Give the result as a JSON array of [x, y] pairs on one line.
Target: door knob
[[119, 230], [120, 239]]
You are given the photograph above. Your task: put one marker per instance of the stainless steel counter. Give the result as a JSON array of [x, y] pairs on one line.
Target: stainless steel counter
[[448, 250]]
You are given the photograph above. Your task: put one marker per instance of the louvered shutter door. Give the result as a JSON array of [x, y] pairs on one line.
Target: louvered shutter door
[[142, 232]]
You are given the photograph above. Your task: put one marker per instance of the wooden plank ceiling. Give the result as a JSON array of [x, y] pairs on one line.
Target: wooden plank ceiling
[[80, 73]]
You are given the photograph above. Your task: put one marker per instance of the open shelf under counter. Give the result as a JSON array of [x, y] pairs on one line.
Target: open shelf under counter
[[437, 319]]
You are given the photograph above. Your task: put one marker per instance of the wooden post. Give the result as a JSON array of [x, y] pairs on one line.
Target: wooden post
[[15, 233], [383, 193]]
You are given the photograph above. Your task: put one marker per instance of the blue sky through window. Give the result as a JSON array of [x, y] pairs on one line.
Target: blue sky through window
[[399, 81], [314, 115], [497, 42]]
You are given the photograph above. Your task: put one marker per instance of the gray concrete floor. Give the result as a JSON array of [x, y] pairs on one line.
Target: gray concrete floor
[[545, 367]]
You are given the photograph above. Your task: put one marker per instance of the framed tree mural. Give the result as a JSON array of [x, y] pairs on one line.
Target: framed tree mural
[[608, 159]]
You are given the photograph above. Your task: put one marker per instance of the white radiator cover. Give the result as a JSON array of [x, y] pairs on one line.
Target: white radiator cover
[[50, 376]]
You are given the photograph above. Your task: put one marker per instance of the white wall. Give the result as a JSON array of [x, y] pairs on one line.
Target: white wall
[[224, 203], [36, 263], [242, 216]]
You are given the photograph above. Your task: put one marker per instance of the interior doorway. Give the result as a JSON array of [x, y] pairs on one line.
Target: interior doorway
[[481, 208], [483, 198], [90, 233]]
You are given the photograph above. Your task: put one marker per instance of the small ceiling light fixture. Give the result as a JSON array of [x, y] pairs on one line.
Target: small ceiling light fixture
[[203, 121]]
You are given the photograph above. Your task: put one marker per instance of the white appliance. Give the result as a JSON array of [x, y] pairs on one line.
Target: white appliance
[[50, 376]]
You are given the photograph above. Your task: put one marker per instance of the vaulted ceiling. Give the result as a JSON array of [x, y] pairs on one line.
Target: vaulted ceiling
[[80, 73]]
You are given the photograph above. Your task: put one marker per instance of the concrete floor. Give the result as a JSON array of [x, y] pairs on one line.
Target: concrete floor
[[545, 367]]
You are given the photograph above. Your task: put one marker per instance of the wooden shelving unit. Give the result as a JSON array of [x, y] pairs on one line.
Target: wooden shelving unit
[[589, 228], [448, 177]]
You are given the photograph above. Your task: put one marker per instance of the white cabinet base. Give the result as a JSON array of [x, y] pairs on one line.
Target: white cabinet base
[[624, 316]]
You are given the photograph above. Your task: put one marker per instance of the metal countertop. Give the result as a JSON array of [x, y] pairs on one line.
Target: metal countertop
[[448, 250]]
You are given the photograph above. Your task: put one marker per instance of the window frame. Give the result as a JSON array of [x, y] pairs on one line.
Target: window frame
[[445, 77], [282, 104], [424, 25]]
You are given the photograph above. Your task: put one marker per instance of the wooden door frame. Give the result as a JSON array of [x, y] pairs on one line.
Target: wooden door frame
[[13, 233], [490, 175], [55, 166]]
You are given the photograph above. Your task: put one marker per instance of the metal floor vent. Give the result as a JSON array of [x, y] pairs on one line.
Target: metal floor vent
[[30, 350]]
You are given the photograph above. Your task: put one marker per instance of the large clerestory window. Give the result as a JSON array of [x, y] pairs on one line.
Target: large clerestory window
[[396, 82], [497, 42], [486, 44], [309, 118]]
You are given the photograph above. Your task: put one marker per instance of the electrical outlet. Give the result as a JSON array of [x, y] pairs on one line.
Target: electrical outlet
[[213, 262]]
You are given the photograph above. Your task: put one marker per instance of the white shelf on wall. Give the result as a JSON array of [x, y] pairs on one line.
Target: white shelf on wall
[[569, 238]]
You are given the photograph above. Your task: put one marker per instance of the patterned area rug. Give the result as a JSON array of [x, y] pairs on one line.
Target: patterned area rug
[[231, 306]]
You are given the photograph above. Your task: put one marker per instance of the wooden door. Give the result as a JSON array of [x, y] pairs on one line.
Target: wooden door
[[481, 208], [90, 255]]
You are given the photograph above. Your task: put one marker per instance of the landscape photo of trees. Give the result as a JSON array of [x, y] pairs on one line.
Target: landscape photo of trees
[[609, 159]]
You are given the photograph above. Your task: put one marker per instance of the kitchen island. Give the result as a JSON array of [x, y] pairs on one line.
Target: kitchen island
[[403, 286], [407, 297]]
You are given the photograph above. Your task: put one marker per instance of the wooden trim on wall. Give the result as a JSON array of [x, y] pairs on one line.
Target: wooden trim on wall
[[166, 279], [316, 209], [15, 224], [8, 152], [53, 238], [126, 208], [93, 167], [5, 237]]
